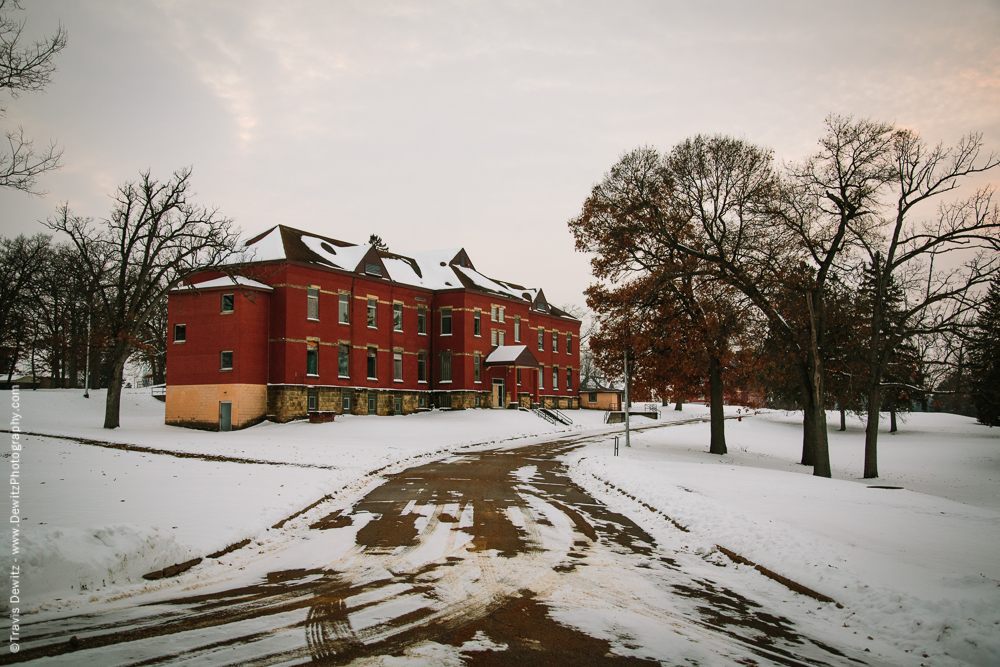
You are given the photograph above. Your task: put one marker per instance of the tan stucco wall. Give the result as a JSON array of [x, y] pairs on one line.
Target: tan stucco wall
[[605, 401], [197, 405]]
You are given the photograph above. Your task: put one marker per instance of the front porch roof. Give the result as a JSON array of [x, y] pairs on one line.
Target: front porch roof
[[512, 355]]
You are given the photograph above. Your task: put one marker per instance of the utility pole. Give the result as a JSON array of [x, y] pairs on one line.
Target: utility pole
[[627, 443]]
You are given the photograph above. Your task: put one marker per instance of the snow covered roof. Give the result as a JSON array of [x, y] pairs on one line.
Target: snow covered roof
[[516, 355], [226, 281], [432, 269]]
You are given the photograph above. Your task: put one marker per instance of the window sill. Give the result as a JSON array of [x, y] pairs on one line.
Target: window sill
[[400, 381], [444, 335], [342, 322], [179, 342], [444, 382], [312, 319], [421, 381], [226, 312], [421, 333], [372, 379], [312, 375], [225, 370], [477, 382], [371, 327], [343, 377]]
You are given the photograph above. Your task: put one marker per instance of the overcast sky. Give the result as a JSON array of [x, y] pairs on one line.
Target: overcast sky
[[474, 124]]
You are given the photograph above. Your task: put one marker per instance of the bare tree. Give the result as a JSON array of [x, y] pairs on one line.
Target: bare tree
[[940, 263], [25, 68], [153, 240]]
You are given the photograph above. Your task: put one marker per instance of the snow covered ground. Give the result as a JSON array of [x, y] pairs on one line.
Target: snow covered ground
[[918, 568], [93, 518]]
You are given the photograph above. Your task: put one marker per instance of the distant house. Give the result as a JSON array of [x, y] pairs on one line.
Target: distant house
[[601, 398], [317, 324]]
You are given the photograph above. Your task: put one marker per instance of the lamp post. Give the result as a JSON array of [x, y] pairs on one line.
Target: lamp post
[[627, 443], [86, 372]]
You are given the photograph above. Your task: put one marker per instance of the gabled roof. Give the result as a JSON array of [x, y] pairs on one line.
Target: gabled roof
[[432, 269], [512, 355]]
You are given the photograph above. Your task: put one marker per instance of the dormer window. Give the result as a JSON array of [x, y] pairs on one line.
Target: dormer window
[[373, 269]]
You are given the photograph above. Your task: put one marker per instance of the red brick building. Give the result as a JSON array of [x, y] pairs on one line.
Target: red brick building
[[317, 324]]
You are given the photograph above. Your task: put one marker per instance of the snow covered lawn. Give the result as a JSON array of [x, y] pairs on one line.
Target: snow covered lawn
[[919, 567], [96, 518]]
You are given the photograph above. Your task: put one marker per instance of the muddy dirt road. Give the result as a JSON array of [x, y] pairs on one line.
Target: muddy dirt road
[[492, 557]]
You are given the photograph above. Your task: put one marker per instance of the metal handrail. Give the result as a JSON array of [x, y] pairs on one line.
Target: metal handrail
[[546, 416], [560, 416]]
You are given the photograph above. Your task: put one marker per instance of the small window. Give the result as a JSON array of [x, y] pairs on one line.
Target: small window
[[372, 365], [569, 379], [446, 321], [397, 366], [346, 401], [312, 303], [517, 329], [421, 320], [493, 313], [373, 269], [541, 377], [343, 361], [555, 341], [372, 313], [555, 378], [501, 336], [422, 367], [180, 333], [445, 400], [476, 359], [541, 339], [312, 359], [422, 401], [501, 313], [446, 367], [227, 303], [592, 397], [478, 400], [372, 404], [569, 343], [312, 401], [477, 323], [344, 316], [493, 337], [227, 362], [518, 374], [397, 405], [397, 317]]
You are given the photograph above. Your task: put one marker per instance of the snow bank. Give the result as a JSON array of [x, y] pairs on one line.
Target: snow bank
[[77, 560]]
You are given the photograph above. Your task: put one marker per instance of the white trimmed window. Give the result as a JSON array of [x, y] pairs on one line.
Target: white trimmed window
[[312, 303]]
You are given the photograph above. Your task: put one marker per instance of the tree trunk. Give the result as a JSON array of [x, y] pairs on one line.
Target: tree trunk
[[112, 408], [821, 444], [843, 419], [718, 442], [679, 404], [892, 418], [871, 430]]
